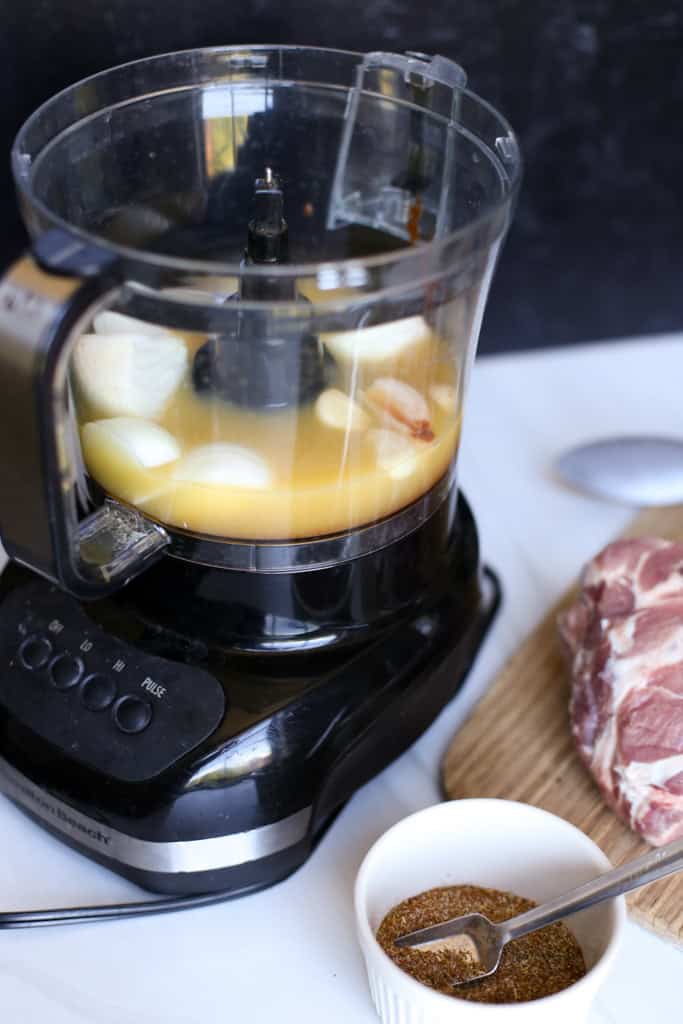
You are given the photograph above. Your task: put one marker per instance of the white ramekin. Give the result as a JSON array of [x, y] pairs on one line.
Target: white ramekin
[[498, 844]]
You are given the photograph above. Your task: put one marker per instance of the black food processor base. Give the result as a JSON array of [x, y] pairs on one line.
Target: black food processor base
[[193, 767]]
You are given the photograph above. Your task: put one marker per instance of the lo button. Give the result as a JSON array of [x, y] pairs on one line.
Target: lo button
[[65, 671]]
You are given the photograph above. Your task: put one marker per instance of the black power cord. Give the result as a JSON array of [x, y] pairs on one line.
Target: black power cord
[[107, 912]]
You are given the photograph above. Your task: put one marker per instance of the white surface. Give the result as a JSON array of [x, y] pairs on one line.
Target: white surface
[[458, 842], [289, 954]]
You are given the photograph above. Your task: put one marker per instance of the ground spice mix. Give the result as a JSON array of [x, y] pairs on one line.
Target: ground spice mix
[[536, 965]]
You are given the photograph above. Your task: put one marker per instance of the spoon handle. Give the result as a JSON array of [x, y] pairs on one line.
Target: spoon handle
[[641, 871]]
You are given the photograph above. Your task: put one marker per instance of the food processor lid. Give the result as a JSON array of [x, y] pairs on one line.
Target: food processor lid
[[427, 99], [384, 207]]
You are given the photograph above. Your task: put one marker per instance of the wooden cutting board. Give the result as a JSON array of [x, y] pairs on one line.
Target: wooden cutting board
[[516, 745]]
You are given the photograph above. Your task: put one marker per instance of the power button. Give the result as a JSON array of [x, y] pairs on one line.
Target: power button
[[35, 652]]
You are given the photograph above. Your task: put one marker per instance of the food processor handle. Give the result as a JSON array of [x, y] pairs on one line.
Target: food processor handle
[[44, 296]]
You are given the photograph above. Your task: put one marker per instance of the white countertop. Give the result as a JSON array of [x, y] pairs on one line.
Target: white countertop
[[289, 953]]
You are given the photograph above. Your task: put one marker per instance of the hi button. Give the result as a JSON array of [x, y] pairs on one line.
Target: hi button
[[98, 692]]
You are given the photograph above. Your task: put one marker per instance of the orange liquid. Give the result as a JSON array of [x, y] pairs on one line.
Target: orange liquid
[[323, 479]]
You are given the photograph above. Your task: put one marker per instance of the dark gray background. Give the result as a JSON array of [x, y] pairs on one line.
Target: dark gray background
[[593, 87]]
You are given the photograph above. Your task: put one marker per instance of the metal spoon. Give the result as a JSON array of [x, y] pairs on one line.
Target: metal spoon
[[487, 939], [631, 470]]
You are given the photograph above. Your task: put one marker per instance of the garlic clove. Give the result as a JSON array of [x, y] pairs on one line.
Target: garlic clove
[[224, 464], [128, 374], [380, 342], [139, 440], [444, 396], [395, 454], [109, 322], [336, 409], [401, 406]]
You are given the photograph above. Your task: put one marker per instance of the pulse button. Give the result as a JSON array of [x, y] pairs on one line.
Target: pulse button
[[65, 671], [132, 714], [35, 652], [98, 692]]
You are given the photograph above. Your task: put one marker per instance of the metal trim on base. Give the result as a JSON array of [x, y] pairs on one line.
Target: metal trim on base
[[210, 854]]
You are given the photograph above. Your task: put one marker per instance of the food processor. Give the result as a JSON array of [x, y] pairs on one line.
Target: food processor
[[242, 578]]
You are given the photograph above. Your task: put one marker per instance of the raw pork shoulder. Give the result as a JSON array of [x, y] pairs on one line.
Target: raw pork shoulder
[[624, 635]]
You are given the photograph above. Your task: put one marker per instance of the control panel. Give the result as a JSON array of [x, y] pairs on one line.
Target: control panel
[[107, 705]]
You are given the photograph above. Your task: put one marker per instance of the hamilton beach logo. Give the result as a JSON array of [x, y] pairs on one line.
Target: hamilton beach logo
[[61, 815]]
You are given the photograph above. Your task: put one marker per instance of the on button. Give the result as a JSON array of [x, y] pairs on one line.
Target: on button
[[35, 652], [132, 714]]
